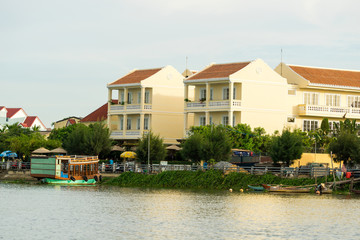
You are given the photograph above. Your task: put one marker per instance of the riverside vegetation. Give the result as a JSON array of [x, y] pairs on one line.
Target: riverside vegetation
[[211, 180]]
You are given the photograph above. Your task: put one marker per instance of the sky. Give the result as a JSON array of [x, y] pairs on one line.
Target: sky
[[56, 56]]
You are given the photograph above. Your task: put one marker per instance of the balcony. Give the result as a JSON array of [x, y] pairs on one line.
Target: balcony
[[328, 111], [213, 105], [129, 134], [119, 108]]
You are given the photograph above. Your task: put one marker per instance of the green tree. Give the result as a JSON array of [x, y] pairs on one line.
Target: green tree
[[99, 139], [286, 147], [346, 147], [77, 141], [192, 148], [157, 148], [217, 144]]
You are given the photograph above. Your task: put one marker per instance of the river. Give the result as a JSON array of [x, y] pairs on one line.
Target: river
[[98, 212]]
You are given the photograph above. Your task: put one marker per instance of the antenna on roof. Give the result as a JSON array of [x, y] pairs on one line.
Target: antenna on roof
[[186, 69], [281, 63]]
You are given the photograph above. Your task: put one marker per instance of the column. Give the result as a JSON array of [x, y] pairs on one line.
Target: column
[[186, 93], [231, 93], [231, 114], [141, 123], [185, 122], [207, 94], [125, 97], [124, 124], [142, 99], [207, 118], [109, 108]]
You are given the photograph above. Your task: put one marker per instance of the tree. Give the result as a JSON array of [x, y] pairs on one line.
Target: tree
[[76, 141], [99, 139], [193, 148], [157, 148], [286, 148], [346, 147], [217, 144]]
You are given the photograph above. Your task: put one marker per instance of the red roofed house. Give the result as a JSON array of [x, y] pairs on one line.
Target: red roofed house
[[317, 93], [149, 99], [233, 93], [17, 115], [99, 115], [66, 122]]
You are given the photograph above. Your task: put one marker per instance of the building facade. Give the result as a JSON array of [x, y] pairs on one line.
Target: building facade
[[150, 99], [233, 93], [318, 93], [9, 116]]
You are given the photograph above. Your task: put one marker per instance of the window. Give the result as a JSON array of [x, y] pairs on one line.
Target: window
[[332, 126], [211, 93], [146, 123], [234, 93], [310, 125], [233, 123], [353, 101], [138, 123], [129, 98], [225, 93], [311, 98], [225, 120], [121, 123], [332, 100], [139, 97], [128, 124], [211, 120], [122, 97], [202, 93], [147, 97], [202, 121]]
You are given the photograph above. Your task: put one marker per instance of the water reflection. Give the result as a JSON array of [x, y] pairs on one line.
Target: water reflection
[[97, 212]]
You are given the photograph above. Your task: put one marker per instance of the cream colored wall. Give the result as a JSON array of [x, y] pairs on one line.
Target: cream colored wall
[[264, 95], [315, 158]]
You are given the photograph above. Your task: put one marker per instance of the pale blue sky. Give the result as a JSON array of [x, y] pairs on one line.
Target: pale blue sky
[[56, 56]]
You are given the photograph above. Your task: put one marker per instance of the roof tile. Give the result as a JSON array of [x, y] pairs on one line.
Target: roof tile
[[219, 71], [136, 77], [99, 114]]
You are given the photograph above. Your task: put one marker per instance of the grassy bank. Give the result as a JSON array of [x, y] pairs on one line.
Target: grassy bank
[[211, 179]]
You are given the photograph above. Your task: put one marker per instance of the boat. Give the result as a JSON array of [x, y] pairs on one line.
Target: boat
[[293, 189], [73, 170], [257, 188]]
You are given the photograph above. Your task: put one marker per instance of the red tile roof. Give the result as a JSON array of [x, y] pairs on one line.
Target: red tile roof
[[136, 77], [99, 114], [328, 76], [71, 121], [29, 121], [1, 107], [12, 111], [219, 71]]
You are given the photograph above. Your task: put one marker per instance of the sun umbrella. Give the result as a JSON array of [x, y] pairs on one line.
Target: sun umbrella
[[5, 153], [12, 155], [41, 150], [128, 155], [173, 147], [59, 150], [117, 148]]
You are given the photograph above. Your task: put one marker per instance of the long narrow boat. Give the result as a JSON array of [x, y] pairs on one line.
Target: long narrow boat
[[293, 189], [256, 188], [79, 170]]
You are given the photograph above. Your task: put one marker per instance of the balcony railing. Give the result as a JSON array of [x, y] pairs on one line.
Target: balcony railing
[[328, 111], [213, 104], [129, 107], [116, 134]]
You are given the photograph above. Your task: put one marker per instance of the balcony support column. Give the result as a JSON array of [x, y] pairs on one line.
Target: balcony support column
[[142, 99], [207, 94], [185, 123], [124, 124], [231, 95], [141, 123], [207, 118], [109, 106], [231, 114], [125, 98], [186, 95]]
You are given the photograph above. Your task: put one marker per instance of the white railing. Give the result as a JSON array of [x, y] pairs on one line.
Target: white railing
[[132, 133], [219, 103], [116, 133], [148, 107], [133, 107], [116, 107], [305, 109], [214, 104], [236, 103], [195, 104]]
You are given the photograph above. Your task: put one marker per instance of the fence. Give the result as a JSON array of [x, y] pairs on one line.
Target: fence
[[157, 168]]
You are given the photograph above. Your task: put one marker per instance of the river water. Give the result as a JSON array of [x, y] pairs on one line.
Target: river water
[[98, 212]]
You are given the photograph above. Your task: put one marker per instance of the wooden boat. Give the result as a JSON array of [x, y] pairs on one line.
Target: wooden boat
[[293, 189], [79, 170], [257, 188]]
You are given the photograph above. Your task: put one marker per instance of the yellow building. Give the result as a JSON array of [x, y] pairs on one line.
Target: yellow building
[[233, 93], [150, 99], [317, 93], [66, 122]]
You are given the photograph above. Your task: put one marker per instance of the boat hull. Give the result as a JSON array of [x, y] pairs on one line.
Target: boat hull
[[68, 182]]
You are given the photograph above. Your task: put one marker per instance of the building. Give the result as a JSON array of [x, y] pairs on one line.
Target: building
[[66, 122], [99, 115], [149, 99], [317, 93], [9, 116], [234, 93]]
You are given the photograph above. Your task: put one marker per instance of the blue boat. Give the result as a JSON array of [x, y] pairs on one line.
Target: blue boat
[[257, 188]]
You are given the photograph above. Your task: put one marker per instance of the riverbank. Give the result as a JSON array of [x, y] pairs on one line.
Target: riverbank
[[211, 179]]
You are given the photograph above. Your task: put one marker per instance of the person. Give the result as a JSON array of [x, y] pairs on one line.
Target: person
[[111, 161], [343, 169]]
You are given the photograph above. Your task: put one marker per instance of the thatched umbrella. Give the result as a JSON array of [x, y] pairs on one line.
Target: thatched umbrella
[[41, 151], [173, 147], [59, 150]]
